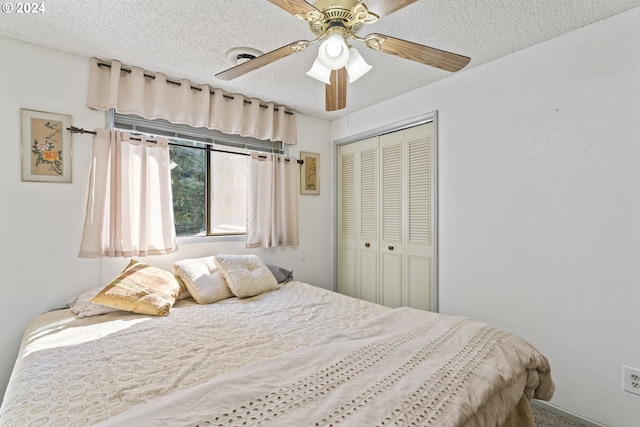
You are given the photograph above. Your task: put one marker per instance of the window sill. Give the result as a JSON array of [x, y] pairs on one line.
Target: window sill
[[208, 239]]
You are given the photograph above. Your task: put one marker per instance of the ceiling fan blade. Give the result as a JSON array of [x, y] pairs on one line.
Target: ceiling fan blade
[[262, 60], [386, 7], [294, 7], [336, 92], [416, 52]]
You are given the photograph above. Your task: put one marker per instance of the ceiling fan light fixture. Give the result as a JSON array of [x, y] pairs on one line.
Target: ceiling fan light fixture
[[320, 72], [357, 66], [333, 52]]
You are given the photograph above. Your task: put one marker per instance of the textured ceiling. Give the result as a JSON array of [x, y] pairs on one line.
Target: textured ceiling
[[189, 38]]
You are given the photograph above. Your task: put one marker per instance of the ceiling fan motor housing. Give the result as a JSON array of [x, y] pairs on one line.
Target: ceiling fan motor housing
[[345, 16]]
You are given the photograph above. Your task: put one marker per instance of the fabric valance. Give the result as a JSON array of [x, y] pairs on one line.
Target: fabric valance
[[151, 95]]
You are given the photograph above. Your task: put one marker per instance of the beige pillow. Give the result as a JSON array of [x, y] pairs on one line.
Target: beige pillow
[[142, 289], [246, 275], [202, 279]]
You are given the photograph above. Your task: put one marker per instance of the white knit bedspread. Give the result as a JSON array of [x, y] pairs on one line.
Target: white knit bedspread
[[405, 367], [76, 372]]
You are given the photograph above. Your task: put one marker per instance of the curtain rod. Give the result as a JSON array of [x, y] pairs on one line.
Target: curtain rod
[[74, 129], [151, 76]]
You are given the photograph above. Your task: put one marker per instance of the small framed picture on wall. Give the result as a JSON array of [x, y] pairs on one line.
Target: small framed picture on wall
[[46, 146], [310, 173]]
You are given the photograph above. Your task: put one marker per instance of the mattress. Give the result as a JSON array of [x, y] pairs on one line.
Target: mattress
[[113, 368]]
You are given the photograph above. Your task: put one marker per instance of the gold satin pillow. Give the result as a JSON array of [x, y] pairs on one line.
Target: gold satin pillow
[[141, 288]]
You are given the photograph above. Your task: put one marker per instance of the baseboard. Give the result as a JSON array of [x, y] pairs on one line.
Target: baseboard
[[566, 414]]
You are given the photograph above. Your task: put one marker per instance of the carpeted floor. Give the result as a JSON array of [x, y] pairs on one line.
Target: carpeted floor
[[546, 418]]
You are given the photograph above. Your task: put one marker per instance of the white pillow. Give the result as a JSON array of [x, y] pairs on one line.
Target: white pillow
[[203, 280], [83, 307], [246, 275]]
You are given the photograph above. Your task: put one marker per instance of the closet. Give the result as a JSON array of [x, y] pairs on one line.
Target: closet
[[386, 218]]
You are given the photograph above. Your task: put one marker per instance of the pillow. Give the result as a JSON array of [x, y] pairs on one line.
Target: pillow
[[246, 275], [141, 289], [203, 280], [282, 275], [83, 307], [184, 292]]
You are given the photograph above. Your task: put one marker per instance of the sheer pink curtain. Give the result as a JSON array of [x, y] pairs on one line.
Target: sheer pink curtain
[[129, 205], [272, 201]]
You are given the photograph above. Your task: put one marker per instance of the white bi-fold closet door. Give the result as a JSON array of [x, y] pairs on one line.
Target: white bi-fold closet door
[[386, 202]]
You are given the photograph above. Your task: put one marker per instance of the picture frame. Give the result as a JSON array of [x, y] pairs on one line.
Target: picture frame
[[310, 173], [45, 146]]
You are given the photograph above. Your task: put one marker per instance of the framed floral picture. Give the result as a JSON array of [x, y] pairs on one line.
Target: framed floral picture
[[46, 146], [310, 173]]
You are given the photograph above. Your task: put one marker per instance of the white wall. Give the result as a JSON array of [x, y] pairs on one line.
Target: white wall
[[41, 223], [540, 203]]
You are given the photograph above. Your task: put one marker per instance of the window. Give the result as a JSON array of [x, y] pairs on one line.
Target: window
[[188, 184], [209, 190], [209, 180]]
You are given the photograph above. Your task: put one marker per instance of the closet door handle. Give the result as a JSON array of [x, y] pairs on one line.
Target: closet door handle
[[366, 245], [391, 248]]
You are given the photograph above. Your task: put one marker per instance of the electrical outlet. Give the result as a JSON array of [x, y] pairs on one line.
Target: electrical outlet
[[631, 379]]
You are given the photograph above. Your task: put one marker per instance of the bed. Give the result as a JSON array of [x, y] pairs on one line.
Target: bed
[[291, 355]]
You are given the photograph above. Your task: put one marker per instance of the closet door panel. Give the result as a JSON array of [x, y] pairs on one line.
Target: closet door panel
[[391, 187], [369, 283], [419, 249], [419, 282], [392, 200], [419, 194], [391, 280], [367, 196], [347, 222], [368, 191], [347, 272]]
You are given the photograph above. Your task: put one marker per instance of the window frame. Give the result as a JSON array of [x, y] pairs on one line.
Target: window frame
[[208, 140]]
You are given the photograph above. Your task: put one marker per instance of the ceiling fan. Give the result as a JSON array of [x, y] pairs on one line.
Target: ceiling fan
[[335, 23]]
